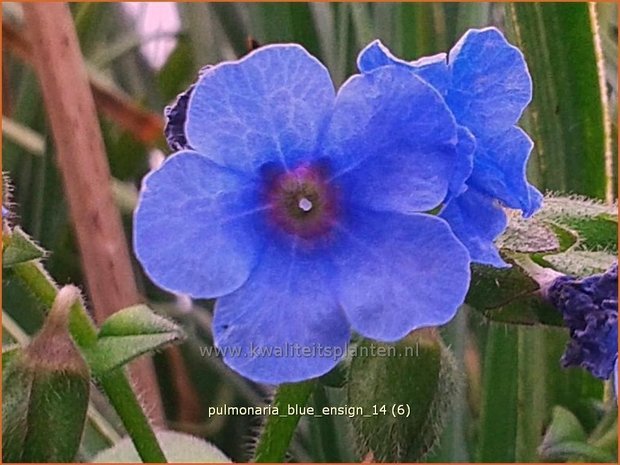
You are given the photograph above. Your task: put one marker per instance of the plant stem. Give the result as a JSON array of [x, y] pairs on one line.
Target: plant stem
[[42, 286], [119, 391], [278, 430], [115, 385]]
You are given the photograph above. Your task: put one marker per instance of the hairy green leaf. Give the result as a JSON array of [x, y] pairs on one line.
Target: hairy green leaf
[[19, 248], [127, 334]]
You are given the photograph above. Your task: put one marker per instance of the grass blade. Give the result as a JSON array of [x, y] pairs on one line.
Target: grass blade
[[567, 115]]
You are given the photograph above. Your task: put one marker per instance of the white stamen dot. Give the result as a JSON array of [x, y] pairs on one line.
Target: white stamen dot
[[305, 204]]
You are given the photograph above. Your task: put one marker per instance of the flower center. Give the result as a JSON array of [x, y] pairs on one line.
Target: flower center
[[302, 201], [305, 204]]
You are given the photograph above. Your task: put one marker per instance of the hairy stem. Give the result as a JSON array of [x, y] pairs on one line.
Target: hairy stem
[[278, 430], [119, 391]]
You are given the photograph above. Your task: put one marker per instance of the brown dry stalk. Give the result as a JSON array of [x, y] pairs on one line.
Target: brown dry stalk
[[189, 408], [86, 176], [144, 125], [6, 98]]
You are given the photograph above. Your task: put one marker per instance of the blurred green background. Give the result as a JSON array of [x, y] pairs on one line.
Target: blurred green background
[[513, 374]]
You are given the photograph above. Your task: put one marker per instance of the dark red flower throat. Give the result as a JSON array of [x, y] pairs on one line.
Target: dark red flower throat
[[302, 201]]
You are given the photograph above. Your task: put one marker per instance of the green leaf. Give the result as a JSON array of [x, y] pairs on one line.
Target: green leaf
[[531, 402], [569, 235], [567, 451], [498, 417], [178, 448], [42, 415], [566, 117], [508, 295], [532, 235], [20, 248], [564, 426], [566, 439], [595, 224], [127, 334], [136, 320], [278, 430], [598, 233], [581, 263], [587, 231], [563, 223], [9, 352]]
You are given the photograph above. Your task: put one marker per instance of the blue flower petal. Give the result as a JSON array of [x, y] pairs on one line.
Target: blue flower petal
[[491, 85], [500, 168], [536, 201], [392, 141], [433, 69], [399, 273], [375, 55], [464, 162], [477, 220], [195, 226], [286, 306], [270, 106]]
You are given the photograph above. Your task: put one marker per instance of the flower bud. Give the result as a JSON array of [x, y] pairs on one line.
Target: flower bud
[[589, 307], [45, 392], [405, 391]]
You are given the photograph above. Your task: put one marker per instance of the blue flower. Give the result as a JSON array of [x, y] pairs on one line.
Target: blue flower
[[590, 310], [487, 86], [303, 211]]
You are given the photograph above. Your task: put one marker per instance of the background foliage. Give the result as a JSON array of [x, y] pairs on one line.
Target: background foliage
[[513, 377]]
